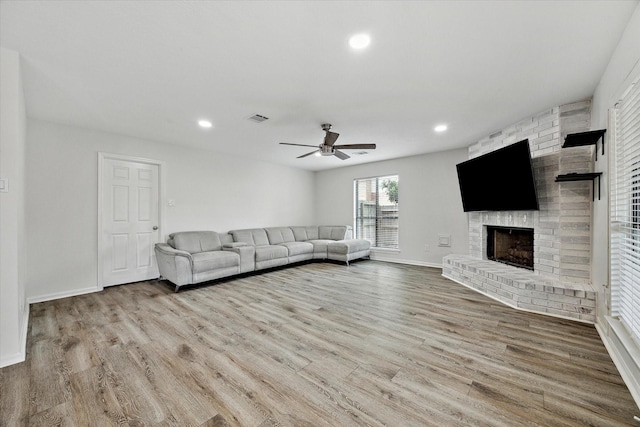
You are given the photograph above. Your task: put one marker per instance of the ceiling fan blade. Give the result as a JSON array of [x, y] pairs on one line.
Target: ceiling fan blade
[[341, 155], [308, 154], [356, 147], [331, 138], [299, 145]]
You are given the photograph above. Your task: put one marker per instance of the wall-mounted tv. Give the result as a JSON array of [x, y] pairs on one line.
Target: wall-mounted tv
[[501, 180]]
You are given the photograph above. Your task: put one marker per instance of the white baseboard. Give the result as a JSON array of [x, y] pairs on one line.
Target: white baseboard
[[12, 359], [380, 256], [624, 352], [20, 356], [58, 295]]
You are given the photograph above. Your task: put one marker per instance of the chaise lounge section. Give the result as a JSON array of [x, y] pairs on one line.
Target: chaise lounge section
[[191, 257]]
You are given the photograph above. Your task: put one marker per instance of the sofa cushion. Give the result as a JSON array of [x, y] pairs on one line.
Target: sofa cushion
[[212, 260], [252, 236], [302, 234], [349, 246], [320, 247], [298, 248], [279, 235], [195, 241], [269, 252], [332, 232], [225, 238]]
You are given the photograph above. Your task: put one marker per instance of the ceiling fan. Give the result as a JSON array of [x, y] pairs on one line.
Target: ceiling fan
[[327, 148]]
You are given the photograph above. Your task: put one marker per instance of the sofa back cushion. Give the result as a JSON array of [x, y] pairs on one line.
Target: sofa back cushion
[[195, 241], [252, 236], [225, 238], [279, 235], [302, 234], [337, 232]]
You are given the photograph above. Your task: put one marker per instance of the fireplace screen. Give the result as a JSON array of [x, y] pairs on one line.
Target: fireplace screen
[[510, 245]]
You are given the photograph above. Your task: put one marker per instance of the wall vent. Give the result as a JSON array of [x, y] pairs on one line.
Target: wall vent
[[258, 118]]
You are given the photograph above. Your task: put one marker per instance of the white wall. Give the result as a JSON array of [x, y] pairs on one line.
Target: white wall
[[14, 312], [429, 203], [212, 191], [622, 70], [616, 78]]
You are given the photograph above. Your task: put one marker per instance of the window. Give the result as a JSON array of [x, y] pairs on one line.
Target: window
[[625, 212], [376, 210]]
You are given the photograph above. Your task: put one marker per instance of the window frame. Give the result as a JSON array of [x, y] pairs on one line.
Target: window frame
[[358, 217], [624, 233]]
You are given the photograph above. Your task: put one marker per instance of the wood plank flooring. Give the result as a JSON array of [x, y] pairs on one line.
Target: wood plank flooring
[[319, 344]]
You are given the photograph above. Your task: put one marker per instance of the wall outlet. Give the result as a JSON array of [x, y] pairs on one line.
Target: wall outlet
[[171, 202], [4, 185]]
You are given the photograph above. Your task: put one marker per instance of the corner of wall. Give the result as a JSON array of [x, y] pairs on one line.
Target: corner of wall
[[13, 306]]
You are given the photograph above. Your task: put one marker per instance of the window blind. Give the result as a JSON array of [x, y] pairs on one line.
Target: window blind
[[376, 210], [625, 212]]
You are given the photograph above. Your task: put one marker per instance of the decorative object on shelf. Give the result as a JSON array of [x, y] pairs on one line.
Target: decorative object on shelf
[[589, 176], [585, 138]]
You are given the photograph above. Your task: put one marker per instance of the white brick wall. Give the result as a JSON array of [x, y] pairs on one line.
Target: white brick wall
[[562, 226], [562, 244]]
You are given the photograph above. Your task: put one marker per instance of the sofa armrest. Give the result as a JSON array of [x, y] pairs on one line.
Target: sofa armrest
[[247, 254], [168, 250], [348, 235], [174, 265], [234, 245]]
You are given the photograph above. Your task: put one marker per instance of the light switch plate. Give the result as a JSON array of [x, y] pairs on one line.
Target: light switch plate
[[4, 185]]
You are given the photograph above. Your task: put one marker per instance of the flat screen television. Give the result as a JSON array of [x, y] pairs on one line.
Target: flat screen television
[[501, 180]]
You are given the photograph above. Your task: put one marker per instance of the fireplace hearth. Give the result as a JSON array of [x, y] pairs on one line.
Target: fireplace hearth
[[510, 245]]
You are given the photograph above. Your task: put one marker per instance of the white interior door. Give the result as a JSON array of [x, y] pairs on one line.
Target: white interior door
[[130, 221]]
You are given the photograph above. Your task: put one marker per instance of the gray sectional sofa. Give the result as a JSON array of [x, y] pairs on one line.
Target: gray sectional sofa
[[191, 257]]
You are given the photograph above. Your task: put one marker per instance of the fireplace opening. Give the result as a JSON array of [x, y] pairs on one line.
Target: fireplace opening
[[510, 245]]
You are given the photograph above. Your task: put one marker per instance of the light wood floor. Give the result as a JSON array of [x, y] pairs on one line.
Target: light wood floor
[[319, 344]]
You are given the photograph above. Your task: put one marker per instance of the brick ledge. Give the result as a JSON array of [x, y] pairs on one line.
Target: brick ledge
[[522, 289]]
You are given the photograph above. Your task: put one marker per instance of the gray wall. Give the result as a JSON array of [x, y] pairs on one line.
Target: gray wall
[[429, 203], [212, 191]]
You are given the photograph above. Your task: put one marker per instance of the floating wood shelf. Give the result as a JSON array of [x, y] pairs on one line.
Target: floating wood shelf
[[585, 138], [590, 176]]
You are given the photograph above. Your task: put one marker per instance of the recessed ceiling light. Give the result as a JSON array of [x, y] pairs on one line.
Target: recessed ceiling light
[[440, 128], [205, 124], [359, 41]]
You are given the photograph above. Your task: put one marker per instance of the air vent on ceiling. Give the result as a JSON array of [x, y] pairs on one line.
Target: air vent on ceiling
[[360, 153], [258, 118]]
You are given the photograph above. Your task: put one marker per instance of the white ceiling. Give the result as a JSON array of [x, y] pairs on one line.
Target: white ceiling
[[151, 69]]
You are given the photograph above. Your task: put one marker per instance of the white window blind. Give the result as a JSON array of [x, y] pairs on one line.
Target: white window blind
[[625, 212], [376, 210]]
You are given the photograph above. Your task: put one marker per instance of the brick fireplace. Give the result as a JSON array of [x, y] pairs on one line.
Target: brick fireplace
[[557, 278]]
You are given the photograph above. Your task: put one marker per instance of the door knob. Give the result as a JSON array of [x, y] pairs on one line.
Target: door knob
[[155, 227]]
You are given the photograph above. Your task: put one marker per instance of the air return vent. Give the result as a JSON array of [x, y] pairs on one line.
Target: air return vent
[[258, 118]]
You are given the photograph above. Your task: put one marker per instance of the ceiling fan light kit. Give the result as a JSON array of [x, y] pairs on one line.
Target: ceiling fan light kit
[[327, 148]]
